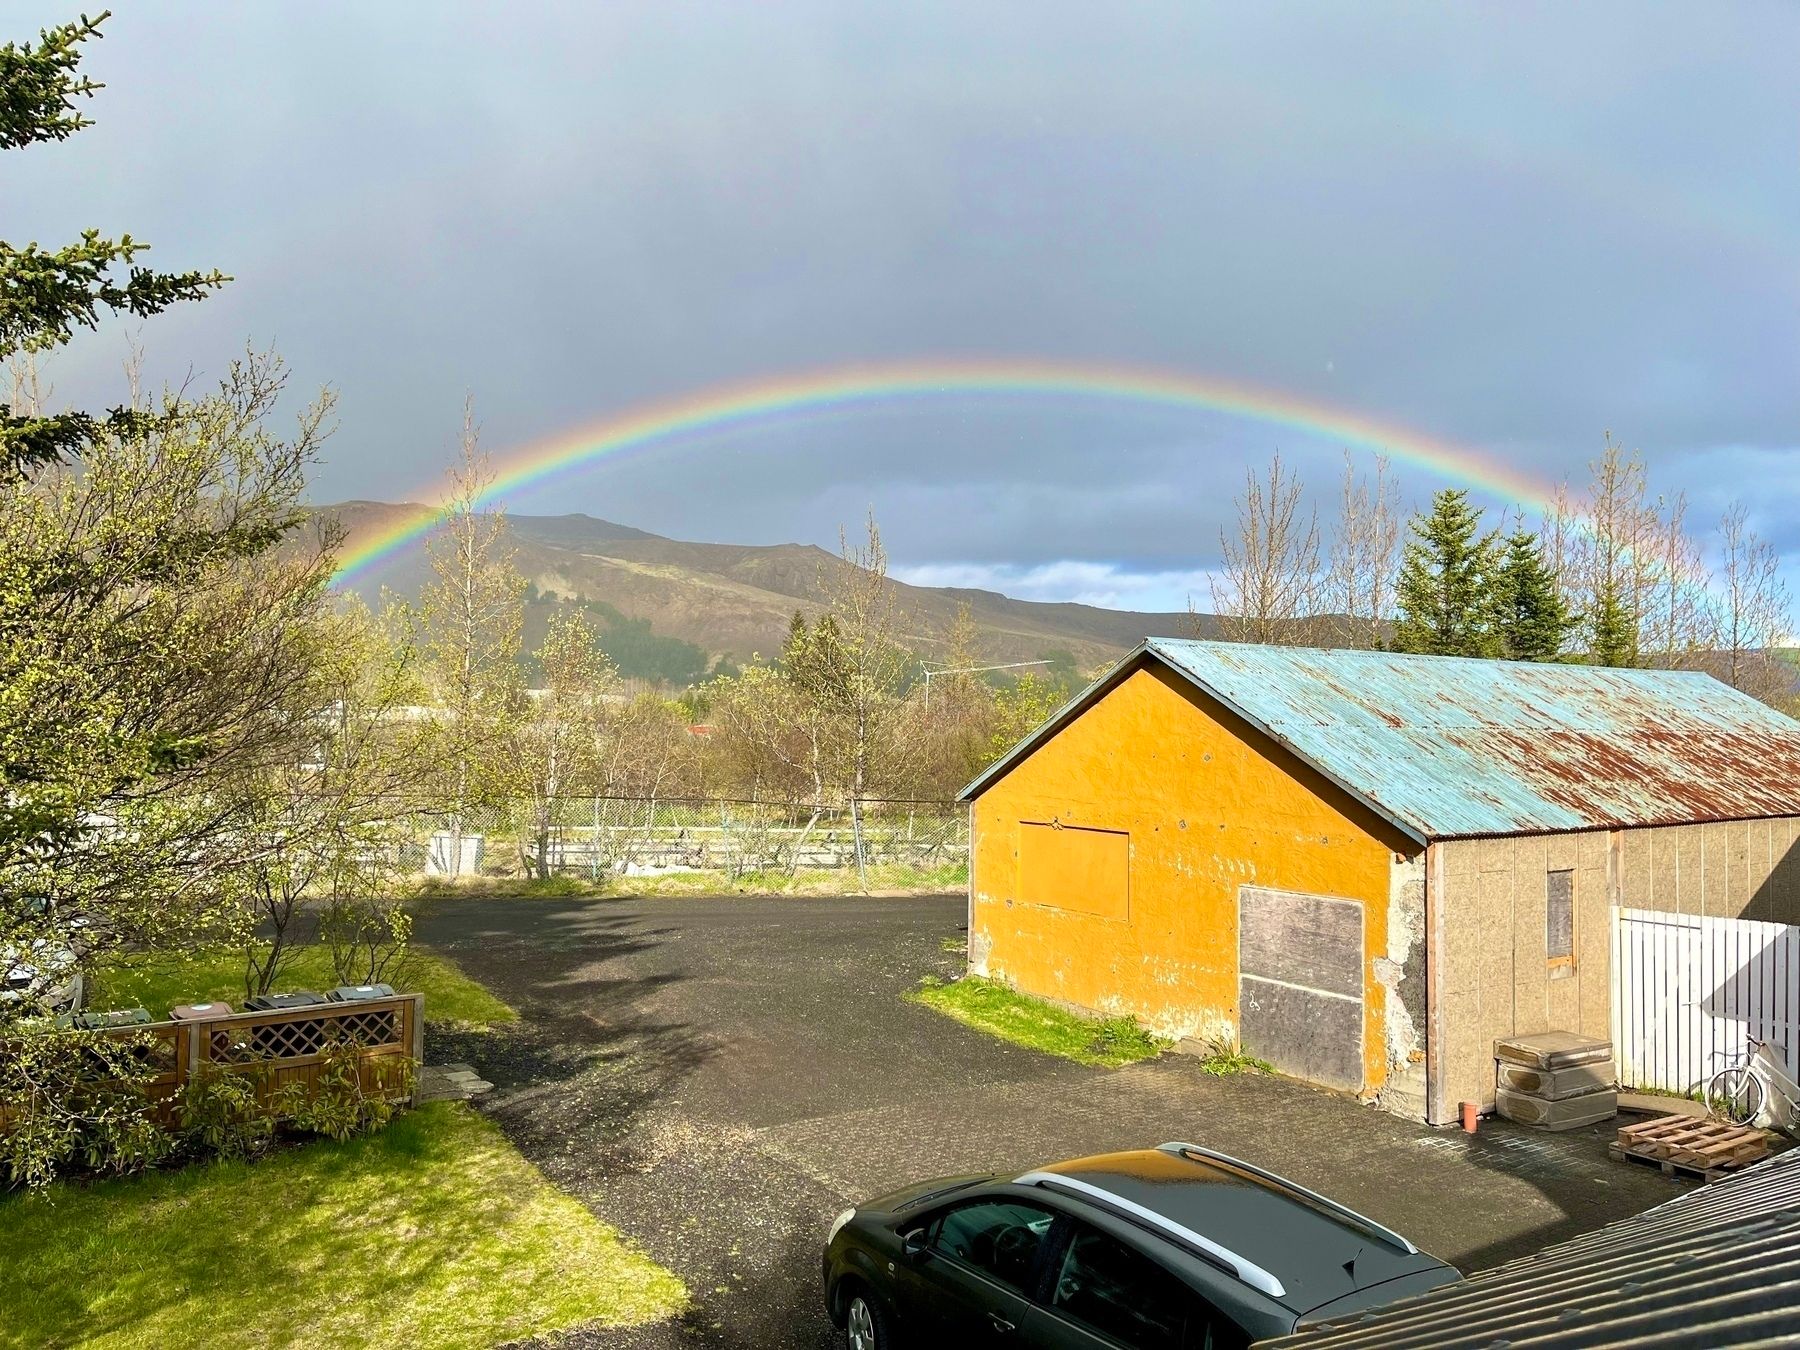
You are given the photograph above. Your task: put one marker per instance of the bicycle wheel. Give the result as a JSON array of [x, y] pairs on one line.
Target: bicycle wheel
[[1735, 1095]]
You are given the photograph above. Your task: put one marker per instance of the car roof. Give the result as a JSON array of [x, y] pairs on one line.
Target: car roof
[[1273, 1235]]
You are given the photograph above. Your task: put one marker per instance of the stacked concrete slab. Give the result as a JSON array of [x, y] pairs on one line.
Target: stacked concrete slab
[[1556, 1080]]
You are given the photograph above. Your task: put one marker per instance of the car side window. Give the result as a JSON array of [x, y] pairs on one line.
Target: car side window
[[1001, 1238], [1126, 1297]]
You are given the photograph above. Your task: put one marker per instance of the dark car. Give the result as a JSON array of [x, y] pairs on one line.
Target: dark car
[[1170, 1248]]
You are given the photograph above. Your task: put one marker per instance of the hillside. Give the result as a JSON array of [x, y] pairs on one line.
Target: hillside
[[734, 601]]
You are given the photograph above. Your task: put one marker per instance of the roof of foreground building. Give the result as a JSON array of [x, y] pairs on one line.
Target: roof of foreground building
[[1716, 1267]]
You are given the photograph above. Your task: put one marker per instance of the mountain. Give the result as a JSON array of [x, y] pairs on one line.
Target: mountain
[[671, 608]]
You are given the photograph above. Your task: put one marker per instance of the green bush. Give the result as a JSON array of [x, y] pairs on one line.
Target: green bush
[[336, 1104], [76, 1098], [221, 1112]]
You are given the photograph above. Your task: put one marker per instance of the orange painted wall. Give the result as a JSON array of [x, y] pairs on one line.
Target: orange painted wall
[[1209, 804]]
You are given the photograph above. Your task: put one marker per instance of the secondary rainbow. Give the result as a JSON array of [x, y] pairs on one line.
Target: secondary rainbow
[[721, 408]]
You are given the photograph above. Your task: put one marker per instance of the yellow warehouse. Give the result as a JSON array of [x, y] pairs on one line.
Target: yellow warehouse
[[1364, 866]]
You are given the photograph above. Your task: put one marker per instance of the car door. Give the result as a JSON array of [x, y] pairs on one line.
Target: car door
[[971, 1271], [1105, 1294]]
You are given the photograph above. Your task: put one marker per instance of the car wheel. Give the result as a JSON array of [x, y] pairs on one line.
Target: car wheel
[[865, 1323]]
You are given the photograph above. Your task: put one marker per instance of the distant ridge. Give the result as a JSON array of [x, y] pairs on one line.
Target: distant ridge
[[734, 601]]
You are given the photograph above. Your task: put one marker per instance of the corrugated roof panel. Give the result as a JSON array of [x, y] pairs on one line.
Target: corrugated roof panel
[[1452, 747], [1718, 1266]]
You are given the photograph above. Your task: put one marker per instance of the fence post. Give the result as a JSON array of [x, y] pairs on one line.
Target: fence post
[[418, 1045]]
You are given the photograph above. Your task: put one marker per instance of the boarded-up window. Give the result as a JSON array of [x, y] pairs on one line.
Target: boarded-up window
[[1300, 984], [1070, 867], [1559, 918]]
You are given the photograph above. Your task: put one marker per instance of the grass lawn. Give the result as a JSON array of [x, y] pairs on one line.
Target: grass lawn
[[161, 982], [884, 878], [433, 1233], [1023, 1020]]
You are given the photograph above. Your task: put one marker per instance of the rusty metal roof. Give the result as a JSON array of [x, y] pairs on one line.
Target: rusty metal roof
[[1718, 1266], [1450, 747]]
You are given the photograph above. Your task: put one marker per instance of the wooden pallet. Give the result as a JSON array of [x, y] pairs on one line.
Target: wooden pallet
[[1708, 1148]]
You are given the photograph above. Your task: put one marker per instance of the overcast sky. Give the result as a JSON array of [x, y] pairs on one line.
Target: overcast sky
[[1513, 227]]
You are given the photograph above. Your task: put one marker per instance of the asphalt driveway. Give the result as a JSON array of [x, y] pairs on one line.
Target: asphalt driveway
[[717, 1077]]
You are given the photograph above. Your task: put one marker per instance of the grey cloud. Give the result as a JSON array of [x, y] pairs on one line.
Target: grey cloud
[[1512, 231]]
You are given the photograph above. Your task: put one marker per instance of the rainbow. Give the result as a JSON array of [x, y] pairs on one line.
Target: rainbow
[[726, 407]]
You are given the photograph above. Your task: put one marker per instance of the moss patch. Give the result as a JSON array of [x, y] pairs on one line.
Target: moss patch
[[433, 1233], [1028, 1021]]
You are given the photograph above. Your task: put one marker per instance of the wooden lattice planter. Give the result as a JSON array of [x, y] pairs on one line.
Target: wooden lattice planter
[[280, 1048]]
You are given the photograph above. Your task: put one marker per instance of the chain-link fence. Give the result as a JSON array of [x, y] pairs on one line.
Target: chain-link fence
[[637, 836]]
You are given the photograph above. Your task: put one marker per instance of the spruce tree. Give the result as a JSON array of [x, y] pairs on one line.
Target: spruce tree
[[1446, 582], [1614, 628], [46, 294], [1533, 618]]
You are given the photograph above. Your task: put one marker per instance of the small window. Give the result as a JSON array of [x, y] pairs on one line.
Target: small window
[[1127, 1298], [996, 1237], [1559, 918]]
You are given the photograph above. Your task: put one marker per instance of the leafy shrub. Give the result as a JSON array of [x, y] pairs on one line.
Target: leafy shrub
[[222, 1113], [367, 935], [336, 1105]]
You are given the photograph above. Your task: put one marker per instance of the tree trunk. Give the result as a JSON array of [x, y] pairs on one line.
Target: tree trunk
[[856, 837], [800, 846], [543, 848]]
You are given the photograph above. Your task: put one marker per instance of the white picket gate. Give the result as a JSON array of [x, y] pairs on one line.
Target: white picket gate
[[1687, 992]]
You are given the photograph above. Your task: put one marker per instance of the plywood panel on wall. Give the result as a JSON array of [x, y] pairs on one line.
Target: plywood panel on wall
[[1085, 871]]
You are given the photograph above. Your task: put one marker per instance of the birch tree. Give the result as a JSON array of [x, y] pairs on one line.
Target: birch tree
[[471, 613], [557, 742], [1630, 569], [1271, 571], [1364, 561], [1753, 612], [863, 667]]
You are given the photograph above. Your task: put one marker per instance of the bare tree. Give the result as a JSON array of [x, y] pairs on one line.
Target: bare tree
[[327, 825], [1271, 580], [1678, 623], [472, 615], [1628, 568], [1364, 560], [1752, 610]]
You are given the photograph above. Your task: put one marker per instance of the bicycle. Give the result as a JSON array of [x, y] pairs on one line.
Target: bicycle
[[1746, 1093]]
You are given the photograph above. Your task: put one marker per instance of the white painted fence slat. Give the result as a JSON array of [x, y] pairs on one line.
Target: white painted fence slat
[[1688, 990]]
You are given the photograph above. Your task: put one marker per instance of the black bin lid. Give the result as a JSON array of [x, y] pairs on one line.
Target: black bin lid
[[350, 993], [304, 998]]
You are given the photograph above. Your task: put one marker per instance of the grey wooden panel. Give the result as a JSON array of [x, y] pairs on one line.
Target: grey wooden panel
[[1559, 915], [1308, 940], [1309, 1035]]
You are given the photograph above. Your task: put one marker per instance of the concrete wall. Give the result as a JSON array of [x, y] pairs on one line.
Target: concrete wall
[[1496, 979], [1208, 805]]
